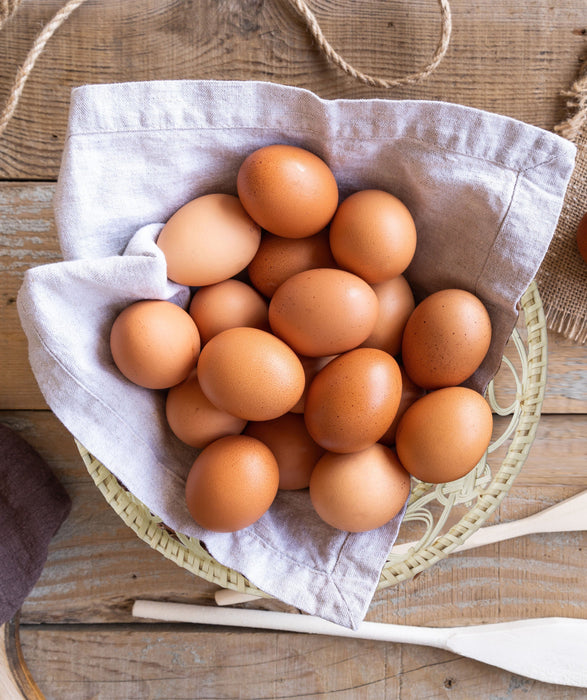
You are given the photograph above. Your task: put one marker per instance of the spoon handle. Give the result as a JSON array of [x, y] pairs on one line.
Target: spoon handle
[[551, 650]]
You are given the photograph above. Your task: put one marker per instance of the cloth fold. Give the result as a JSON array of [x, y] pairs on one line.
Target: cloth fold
[[485, 192]]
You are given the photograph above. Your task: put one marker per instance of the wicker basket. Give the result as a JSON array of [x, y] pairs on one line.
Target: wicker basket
[[478, 494]]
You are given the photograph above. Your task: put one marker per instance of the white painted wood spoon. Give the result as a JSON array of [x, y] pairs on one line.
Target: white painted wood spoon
[[551, 649], [569, 515]]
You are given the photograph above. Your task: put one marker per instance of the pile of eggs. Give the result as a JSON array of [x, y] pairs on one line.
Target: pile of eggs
[[303, 361]]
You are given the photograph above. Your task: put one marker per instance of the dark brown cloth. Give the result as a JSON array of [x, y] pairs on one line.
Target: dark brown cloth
[[33, 505]]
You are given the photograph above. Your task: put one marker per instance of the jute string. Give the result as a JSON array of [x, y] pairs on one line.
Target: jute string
[[8, 7]]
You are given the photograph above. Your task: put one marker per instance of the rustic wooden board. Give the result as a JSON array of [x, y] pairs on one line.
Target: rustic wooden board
[[78, 637], [97, 566], [165, 662], [29, 238], [505, 56]]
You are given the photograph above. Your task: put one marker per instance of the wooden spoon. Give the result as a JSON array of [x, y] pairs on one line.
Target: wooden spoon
[[551, 649], [569, 515]]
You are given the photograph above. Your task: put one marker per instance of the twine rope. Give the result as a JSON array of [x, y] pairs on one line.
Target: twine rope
[[577, 104], [9, 7], [334, 57]]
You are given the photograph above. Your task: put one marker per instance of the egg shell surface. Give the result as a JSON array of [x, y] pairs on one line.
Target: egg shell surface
[[446, 338], [443, 435], [194, 419], [396, 303], [208, 240], [410, 393], [323, 312], [311, 365], [232, 483], [288, 190], [373, 235], [154, 343], [360, 491], [250, 374], [293, 447], [228, 304], [278, 259], [353, 400]]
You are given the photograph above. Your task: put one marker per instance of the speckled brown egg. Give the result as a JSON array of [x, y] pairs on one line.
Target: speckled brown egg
[[410, 393], [232, 483], [280, 258], [373, 235], [353, 400], [360, 491], [323, 312], [250, 373], [311, 365], [194, 419], [154, 343], [208, 240], [446, 338], [228, 304], [443, 435], [396, 303], [296, 452], [288, 190]]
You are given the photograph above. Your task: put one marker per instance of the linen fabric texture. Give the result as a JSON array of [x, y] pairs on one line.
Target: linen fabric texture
[[485, 192]]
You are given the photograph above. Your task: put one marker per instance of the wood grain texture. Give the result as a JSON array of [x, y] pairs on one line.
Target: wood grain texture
[[77, 635], [504, 56], [28, 237], [165, 662]]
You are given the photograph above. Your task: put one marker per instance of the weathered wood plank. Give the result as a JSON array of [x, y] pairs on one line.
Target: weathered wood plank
[[28, 237], [161, 661], [97, 566], [532, 47]]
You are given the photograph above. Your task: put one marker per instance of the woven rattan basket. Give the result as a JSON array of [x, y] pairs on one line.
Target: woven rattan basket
[[450, 513]]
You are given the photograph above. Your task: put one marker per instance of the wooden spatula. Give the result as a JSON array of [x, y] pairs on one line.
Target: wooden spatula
[[551, 650]]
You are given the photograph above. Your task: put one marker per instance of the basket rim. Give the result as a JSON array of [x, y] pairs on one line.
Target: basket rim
[[188, 552]]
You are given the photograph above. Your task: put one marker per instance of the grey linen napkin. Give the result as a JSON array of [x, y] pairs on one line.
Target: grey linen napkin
[[33, 505], [485, 191]]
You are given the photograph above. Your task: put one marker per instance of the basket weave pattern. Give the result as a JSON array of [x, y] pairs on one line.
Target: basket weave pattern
[[481, 491]]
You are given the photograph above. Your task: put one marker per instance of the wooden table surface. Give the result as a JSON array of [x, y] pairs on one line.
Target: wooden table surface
[[77, 636]]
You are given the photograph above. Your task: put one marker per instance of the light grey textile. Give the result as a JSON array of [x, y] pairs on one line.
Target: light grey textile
[[485, 192]]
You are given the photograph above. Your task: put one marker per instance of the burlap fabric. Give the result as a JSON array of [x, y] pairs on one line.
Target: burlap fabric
[[562, 277]]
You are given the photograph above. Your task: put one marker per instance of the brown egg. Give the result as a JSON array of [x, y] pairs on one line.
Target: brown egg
[[353, 400], [396, 303], [373, 235], [288, 439], [288, 190], [446, 338], [193, 419], [323, 312], [410, 393], [311, 365], [582, 238], [443, 435], [232, 483], [154, 343], [250, 373], [360, 491], [228, 304], [280, 258], [208, 240]]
